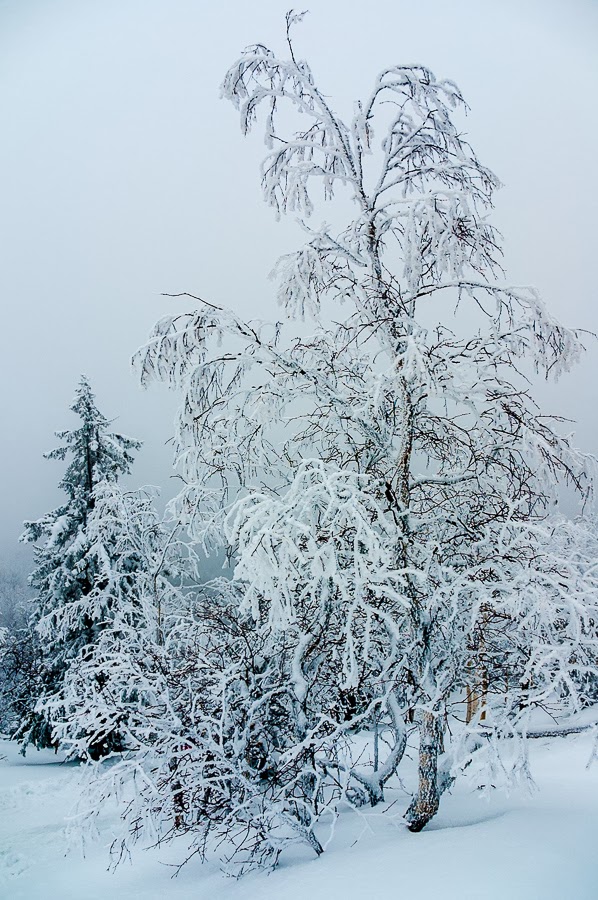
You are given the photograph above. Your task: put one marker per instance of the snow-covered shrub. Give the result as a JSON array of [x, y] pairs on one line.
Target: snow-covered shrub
[[20, 653], [20, 675]]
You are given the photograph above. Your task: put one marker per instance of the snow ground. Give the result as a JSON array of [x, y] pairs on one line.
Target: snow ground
[[539, 847]]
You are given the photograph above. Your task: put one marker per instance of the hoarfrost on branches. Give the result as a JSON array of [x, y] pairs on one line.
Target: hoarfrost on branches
[[68, 611], [386, 483]]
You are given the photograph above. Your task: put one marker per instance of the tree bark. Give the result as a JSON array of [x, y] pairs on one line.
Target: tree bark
[[425, 803]]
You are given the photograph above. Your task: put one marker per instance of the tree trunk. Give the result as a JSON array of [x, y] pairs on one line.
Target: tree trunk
[[477, 696], [425, 803]]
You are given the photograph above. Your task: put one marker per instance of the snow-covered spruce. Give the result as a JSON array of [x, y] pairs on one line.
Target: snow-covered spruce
[[137, 564], [69, 610], [386, 480]]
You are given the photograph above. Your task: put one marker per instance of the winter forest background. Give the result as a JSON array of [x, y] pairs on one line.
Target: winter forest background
[[366, 596]]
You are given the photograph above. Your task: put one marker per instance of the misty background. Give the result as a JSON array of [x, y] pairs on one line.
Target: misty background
[[123, 175]]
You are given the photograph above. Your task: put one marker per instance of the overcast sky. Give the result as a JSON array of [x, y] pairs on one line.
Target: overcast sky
[[122, 175]]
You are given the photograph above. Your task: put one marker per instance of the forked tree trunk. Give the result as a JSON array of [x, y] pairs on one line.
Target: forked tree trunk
[[425, 803]]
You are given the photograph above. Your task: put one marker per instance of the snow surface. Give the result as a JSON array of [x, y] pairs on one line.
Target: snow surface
[[541, 847]]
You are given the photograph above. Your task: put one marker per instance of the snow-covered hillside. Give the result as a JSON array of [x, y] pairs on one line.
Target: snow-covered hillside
[[541, 847]]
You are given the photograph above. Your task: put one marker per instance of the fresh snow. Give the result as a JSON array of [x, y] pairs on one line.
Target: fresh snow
[[539, 847]]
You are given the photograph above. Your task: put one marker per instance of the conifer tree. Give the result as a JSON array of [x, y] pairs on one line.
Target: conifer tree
[[66, 573], [136, 560]]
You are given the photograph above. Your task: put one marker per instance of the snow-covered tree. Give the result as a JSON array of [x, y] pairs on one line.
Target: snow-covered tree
[[137, 565], [20, 675], [386, 479], [68, 614], [19, 649]]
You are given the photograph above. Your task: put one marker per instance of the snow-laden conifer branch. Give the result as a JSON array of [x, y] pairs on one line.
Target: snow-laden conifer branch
[[67, 613]]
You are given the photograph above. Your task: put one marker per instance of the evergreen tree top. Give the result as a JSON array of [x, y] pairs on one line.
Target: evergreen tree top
[[97, 454]]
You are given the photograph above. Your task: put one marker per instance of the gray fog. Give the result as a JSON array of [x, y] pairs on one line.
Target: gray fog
[[123, 175]]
